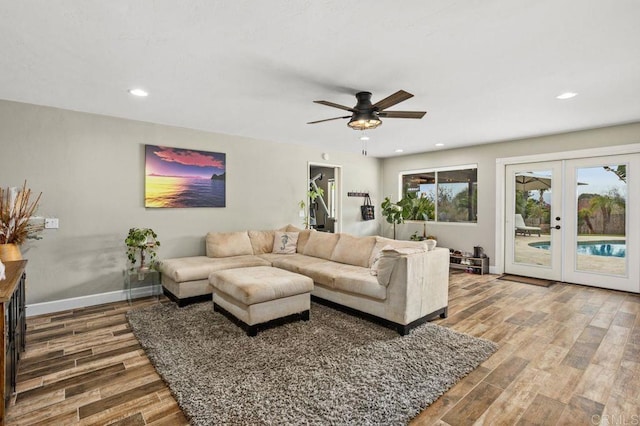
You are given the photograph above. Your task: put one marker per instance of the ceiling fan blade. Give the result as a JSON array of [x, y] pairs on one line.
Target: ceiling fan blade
[[331, 104], [402, 114], [329, 119], [390, 101]]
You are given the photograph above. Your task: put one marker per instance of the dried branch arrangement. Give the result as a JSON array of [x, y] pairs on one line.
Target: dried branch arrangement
[[16, 210]]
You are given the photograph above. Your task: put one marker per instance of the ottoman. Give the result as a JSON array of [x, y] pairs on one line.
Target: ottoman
[[261, 296]]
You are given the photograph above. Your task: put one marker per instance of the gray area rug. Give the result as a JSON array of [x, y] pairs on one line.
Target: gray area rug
[[333, 369]]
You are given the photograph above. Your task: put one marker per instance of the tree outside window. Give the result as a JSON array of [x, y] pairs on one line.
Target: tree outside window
[[453, 192]]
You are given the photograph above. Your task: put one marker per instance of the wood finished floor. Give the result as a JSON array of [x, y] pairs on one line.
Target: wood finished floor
[[568, 355]]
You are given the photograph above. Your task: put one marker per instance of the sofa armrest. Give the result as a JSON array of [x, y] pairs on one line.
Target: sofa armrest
[[419, 285]]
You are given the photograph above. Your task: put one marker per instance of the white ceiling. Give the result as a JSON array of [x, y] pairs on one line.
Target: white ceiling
[[485, 70]]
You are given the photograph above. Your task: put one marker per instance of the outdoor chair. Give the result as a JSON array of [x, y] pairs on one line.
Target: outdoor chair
[[523, 229]]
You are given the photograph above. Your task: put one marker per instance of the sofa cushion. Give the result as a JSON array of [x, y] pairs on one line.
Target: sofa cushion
[[293, 262], [326, 273], [321, 244], [226, 244], [353, 250], [261, 241], [270, 257], [303, 238], [361, 283], [199, 267], [323, 273], [285, 242], [256, 285]]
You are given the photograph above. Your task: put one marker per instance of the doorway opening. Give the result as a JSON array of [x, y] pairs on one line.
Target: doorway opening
[[323, 213]]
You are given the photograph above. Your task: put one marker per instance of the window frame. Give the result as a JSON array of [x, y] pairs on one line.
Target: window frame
[[436, 170]]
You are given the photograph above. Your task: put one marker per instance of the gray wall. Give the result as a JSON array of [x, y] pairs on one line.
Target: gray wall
[[90, 169], [465, 236]]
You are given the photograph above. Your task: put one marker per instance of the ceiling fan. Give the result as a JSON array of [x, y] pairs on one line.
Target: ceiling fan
[[366, 115]]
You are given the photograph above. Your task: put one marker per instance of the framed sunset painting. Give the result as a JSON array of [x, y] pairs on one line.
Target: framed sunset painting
[[178, 177]]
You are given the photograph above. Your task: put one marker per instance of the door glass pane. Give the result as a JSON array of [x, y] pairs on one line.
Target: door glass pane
[[601, 222], [532, 244]]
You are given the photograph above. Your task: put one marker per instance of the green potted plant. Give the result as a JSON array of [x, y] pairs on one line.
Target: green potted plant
[[304, 214], [416, 208], [410, 207], [416, 237], [142, 242], [315, 193], [312, 194], [392, 213]]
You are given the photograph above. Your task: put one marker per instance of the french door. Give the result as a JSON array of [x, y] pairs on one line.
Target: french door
[[534, 220], [575, 220]]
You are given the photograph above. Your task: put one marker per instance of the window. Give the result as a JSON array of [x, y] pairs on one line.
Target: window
[[452, 192]]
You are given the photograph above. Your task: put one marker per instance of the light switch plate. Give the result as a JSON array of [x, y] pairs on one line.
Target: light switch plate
[[51, 223]]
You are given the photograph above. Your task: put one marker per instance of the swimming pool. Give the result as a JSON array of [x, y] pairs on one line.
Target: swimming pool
[[610, 248]]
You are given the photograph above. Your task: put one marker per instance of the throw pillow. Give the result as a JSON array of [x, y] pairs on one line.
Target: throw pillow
[[285, 242]]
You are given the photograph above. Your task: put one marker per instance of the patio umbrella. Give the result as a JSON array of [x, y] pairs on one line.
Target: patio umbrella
[[527, 181]]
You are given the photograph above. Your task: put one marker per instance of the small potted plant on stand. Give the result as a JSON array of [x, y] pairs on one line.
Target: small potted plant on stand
[[142, 244]]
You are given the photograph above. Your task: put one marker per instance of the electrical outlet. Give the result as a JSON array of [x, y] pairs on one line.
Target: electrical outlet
[[51, 223]]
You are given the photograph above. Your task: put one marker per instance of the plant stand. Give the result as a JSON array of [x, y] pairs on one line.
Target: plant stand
[[142, 283]]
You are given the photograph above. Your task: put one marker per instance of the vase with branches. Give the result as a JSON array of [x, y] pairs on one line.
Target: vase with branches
[[17, 207]]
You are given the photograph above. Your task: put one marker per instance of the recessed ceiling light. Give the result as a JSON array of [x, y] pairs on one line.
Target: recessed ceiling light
[[440, 144], [139, 92], [566, 95], [399, 150]]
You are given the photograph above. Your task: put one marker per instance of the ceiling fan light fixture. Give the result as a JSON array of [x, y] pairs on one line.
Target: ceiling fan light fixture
[[365, 115], [364, 121]]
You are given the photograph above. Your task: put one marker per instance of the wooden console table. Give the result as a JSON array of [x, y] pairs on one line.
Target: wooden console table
[[13, 329]]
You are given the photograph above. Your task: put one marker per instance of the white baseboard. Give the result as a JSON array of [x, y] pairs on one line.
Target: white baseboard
[[91, 300]]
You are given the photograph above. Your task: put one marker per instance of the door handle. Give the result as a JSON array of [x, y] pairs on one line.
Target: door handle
[[557, 217], [557, 226]]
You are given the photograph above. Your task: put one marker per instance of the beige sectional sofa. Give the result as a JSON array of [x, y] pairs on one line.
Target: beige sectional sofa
[[398, 283]]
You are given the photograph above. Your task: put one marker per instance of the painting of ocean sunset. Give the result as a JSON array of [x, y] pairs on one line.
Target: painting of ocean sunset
[[177, 177]]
